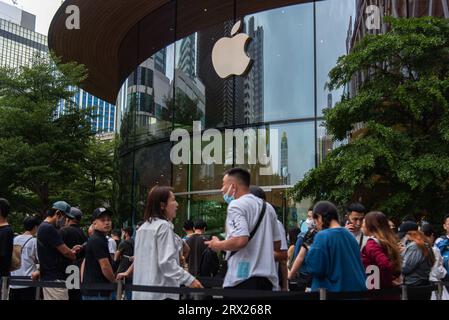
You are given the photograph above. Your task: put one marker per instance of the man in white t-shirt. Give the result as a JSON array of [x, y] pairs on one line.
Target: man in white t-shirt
[[252, 266], [28, 265]]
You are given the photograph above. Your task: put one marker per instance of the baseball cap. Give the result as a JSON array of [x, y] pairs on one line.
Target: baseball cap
[[75, 213], [99, 212], [62, 206], [406, 227]]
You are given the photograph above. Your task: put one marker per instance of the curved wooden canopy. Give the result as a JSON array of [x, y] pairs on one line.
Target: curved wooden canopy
[[115, 36]]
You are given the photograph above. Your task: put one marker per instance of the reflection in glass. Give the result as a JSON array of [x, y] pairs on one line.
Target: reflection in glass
[[280, 84], [334, 25]]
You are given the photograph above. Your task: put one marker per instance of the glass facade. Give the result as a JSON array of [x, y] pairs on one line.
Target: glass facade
[[292, 49]]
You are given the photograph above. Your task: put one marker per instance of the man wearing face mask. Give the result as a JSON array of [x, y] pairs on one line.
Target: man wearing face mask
[[51, 251], [252, 235]]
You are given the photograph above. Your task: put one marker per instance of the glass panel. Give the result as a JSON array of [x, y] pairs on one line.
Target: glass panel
[[334, 25], [280, 83], [292, 151]]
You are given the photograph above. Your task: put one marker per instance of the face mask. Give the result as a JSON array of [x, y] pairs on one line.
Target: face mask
[[310, 223], [228, 198]]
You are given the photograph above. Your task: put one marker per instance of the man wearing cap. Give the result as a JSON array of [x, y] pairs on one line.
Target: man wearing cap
[[98, 262], [403, 229], [52, 251], [72, 235]]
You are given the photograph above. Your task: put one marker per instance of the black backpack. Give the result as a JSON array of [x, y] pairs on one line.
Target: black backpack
[[209, 264]]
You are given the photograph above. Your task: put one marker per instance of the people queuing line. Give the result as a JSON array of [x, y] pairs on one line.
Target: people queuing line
[[254, 254]]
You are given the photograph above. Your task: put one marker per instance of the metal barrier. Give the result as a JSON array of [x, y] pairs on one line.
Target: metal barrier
[[209, 290]]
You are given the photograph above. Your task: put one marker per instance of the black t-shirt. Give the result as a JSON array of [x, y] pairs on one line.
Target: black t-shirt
[[197, 247], [96, 249], [73, 235], [6, 245], [52, 265], [126, 248]]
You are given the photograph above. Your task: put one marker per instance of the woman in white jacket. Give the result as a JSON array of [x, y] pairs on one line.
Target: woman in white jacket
[[438, 271], [156, 255]]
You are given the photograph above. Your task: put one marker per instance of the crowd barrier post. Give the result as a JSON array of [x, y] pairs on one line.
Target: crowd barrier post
[[323, 294], [4, 288], [404, 295], [119, 290]]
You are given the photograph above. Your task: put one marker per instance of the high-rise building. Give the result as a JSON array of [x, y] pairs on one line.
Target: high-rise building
[[253, 83], [187, 53], [19, 42], [284, 159]]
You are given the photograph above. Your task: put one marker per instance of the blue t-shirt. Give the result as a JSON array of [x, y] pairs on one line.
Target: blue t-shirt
[[335, 263]]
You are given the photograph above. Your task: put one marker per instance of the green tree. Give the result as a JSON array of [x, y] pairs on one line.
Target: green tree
[[40, 151], [398, 160], [93, 184]]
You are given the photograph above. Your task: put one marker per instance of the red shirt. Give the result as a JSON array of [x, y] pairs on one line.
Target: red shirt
[[374, 254]]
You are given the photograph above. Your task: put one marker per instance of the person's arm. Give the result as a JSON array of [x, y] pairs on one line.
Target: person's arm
[[297, 263], [317, 260], [127, 273], [185, 249], [117, 255], [106, 269], [66, 252], [231, 244], [166, 257], [82, 269]]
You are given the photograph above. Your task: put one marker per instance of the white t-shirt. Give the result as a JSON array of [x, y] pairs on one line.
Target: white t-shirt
[[112, 246], [256, 259], [284, 246], [29, 257]]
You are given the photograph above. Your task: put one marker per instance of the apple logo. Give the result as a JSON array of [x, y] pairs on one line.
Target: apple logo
[[229, 56]]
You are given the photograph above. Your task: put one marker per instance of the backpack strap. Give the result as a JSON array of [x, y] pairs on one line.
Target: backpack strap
[[23, 246], [251, 235]]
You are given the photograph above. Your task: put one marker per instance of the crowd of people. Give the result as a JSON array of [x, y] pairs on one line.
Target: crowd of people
[[256, 253]]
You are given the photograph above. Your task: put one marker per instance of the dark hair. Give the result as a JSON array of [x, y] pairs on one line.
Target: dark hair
[[30, 222], [427, 229], [4, 207], [258, 192], [129, 231], [328, 212], [355, 206], [310, 209], [242, 175], [293, 235], [140, 223], [116, 232], [445, 218], [200, 224], [156, 196], [51, 212], [188, 225]]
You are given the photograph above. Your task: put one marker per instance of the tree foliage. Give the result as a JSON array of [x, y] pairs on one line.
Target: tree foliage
[[397, 161]]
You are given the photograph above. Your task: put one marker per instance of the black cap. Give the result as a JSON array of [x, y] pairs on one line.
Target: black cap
[[406, 227], [75, 213], [100, 212]]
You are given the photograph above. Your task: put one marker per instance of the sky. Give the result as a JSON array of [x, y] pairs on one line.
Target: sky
[[44, 11]]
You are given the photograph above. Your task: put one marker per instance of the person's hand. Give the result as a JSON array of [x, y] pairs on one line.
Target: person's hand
[[77, 248], [196, 284], [350, 227], [213, 243], [401, 246], [35, 275], [121, 276], [131, 259]]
